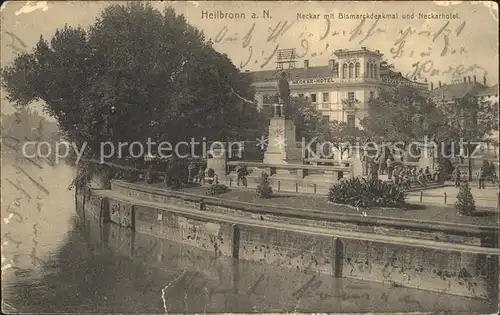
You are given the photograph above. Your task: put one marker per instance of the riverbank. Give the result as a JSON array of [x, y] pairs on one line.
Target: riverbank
[[444, 257], [484, 216]]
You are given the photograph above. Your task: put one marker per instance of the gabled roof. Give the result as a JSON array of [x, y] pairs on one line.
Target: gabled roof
[[309, 73], [491, 90], [454, 91], [295, 74]]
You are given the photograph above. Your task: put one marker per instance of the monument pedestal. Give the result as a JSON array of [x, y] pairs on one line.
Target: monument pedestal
[[282, 145]]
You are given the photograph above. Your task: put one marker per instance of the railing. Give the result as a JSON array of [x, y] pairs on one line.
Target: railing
[[343, 163], [449, 199], [302, 170]]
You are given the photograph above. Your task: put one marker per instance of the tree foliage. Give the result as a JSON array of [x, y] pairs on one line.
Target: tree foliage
[[135, 73], [403, 115], [465, 204]]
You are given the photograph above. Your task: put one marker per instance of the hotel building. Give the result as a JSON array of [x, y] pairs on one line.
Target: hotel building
[[341, 90], [470, 86]]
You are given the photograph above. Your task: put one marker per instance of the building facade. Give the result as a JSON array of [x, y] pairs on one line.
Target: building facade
[[470, 86], [342, 89]]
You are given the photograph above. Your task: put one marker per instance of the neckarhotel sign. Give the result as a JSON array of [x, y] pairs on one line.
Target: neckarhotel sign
[[312, 81]]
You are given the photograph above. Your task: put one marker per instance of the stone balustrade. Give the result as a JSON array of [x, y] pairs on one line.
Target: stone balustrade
[[301, 170]]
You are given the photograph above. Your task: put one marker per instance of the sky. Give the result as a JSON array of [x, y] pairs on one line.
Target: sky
[[465, 42]]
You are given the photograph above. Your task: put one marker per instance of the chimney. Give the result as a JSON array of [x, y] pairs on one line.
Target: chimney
[[306, 64], [432, 86], [469, 79], [439, 83], [331, 64], [475, 80], [363, 48], [484, 80], [465, 79], [377, 51]]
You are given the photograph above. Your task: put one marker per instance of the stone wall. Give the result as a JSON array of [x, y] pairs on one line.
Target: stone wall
[[191, 230], [121, 213], [447, 233], [96, 205], [436, 266]]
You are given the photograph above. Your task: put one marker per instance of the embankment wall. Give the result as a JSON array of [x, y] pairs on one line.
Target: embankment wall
[[464, 261]]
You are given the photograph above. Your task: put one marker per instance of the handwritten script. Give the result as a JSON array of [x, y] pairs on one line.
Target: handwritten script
[[427, 47]]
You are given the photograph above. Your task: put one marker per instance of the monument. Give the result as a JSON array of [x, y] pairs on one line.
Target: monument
[[282, 143]]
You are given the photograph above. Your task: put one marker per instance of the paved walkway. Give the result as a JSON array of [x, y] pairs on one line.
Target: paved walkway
[[487, 197], [429, 212]]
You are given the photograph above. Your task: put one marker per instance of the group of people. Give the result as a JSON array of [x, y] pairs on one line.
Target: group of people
[[486, 172], [409, 175]]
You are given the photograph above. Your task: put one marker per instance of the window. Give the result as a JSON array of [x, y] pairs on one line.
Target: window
[[356, 70], [326, 97], [344, 70], [367, 70], [375, 71], [372, 71], [351, 70], [351, 121], [313, 98], [336, 70], [350, 97], [372, 95]]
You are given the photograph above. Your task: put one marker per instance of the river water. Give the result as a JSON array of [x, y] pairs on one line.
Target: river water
[[53, 261]]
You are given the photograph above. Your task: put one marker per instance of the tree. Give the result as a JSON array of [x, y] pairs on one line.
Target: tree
[[471, 120], [402, 114], [264, 189], [136, 73], [465, 204], [309, 120]]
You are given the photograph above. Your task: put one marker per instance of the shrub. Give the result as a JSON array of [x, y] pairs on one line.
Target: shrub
[[446, 168], [465, 204], [360, 192], [217, 189], [210, 173], [176, 174], [264, 189]]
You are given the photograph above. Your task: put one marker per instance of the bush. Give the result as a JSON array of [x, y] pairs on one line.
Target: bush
[[217, 189], [210, 173], [360, 192], [176, 174], [446, 168], [264, 189], [465, 204]]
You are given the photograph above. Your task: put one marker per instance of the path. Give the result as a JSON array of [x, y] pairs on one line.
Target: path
[[487, 197]]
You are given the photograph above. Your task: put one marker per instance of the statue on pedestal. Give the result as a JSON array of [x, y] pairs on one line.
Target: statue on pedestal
[[284, 96]]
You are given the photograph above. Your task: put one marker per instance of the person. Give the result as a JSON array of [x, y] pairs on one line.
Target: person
[[381, 165], [242, 174], [456, 175], [427, 173], [149, 174], [396, 179], [200, 177], [364, 164], [405, 181], [390, 168], [413, 174], [492, 172], [483, 171], [191, 171], [374, 171], [421, 178], [436, 176]]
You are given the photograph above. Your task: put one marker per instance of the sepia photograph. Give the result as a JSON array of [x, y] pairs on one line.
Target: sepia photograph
[[193, 157]]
